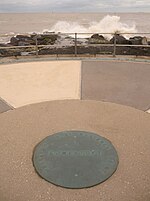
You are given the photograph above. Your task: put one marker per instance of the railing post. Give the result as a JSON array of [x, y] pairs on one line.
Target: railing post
[[36, 43], [114, 52], [75, 44]]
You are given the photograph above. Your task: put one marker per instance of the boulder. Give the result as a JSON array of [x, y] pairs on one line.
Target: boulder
[[9, 52], [14, 41], [98, 39], [22, 40], [23, 37], [138, 40], [47, 39], [43, 39], [4, 45], [25, 43], [119, 39]]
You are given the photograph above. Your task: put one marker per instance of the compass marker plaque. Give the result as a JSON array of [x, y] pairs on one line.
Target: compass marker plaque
[[75, 159]]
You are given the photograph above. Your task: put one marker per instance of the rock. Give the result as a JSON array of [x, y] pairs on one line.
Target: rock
[[97, 39], [28, 53], [4, 45], [63, 44], [42, 39], [9, 52], [25, 40], [23, 37], [47, 39], [22, 40], [62, 50], [14, 41], [2, 53], [136, 51], [86, 50], [71, 50], [138, 40], [24, 43], [119, 39]]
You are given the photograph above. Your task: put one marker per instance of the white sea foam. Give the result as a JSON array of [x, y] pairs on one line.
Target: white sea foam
[[109, 24]]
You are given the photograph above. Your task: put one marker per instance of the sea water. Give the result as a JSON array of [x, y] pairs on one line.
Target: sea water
[[15, 23]]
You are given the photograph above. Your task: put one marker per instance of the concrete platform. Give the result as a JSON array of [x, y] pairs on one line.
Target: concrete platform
[[21, 129], [26, 83], [127, 128], [126, 83]]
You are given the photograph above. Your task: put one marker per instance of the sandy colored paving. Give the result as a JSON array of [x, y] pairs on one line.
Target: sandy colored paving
[[26, 83]]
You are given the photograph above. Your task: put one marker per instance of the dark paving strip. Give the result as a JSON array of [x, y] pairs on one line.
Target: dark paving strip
[[4, 106], [124, 83]]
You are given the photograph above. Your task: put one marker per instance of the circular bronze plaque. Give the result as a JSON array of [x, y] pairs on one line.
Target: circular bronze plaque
[[75, 159]]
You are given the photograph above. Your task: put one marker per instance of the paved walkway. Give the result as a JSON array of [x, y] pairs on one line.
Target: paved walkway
[[27, 83], [123, 83], [127, 128]]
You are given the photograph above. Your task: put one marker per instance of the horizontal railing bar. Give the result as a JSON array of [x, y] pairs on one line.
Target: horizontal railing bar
[[15, 47], [6, 35], [86, 45], [117, 45], [80, 33], [33, 46], [109, 33]]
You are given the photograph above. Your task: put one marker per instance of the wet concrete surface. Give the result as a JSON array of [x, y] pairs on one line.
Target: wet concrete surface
[[125, 83]]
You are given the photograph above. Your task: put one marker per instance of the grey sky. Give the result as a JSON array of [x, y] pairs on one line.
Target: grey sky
[[74, 6]]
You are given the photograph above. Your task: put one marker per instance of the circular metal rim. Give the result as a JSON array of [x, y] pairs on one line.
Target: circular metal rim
[[67, 187]]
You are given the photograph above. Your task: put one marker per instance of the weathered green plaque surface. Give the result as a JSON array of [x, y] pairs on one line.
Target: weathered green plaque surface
[[75, 159]]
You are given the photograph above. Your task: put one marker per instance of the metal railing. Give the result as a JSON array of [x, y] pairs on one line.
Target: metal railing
[[75, 38]]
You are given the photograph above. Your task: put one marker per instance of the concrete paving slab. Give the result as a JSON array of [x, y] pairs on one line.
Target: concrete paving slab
[[26, 83], [126, 83], [127, 128]]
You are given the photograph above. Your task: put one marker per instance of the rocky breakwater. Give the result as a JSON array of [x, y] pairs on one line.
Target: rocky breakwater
[[65, 44], [133, 45], [26, 44]]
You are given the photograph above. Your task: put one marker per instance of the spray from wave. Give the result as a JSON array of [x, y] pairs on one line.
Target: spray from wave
[[109, 24]]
